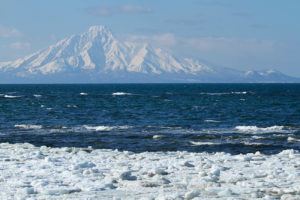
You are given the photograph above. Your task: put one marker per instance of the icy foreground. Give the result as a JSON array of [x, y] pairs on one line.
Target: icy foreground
[[29, 172]]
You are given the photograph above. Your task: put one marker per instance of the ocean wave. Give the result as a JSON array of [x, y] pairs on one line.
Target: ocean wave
[[291, 139], [37, 95], [244, 92], [105, 128], [193, 143], [11, 96], [223, 93], [28, 126], [83, 93], [120, 93], [211, 121], [256, 130], [158, 137]]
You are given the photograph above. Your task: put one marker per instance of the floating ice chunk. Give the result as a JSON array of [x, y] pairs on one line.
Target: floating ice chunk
[[61, 191], [127, 176], [215, 171], [191, 195], [28, 190], [85, 165], [28, 126], [225, 193], [202, 173], [160, 171], [149, 184], [120, 93], [188, 164]]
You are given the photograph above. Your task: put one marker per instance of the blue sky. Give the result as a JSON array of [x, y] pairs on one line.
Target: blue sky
[[241, 34]]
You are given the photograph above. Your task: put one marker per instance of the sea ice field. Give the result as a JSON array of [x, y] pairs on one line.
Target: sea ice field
[[29, 172]]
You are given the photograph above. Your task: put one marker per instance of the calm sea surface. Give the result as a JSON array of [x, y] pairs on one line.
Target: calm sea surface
[[234, 118]]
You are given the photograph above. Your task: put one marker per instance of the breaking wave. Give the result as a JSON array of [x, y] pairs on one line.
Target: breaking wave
[[10, 96], [257, 130], [28, 126], [120, 93], [223, 93], [105, 128]]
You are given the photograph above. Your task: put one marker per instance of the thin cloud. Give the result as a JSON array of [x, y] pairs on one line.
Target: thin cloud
[[20, 46], [112, 10], [210, 45], [185, 22], [9, 32]]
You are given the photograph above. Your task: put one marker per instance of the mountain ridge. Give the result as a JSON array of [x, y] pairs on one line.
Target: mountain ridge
[[96, 56]]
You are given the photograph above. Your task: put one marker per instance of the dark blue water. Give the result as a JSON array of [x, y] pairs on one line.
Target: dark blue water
[[234, 118]]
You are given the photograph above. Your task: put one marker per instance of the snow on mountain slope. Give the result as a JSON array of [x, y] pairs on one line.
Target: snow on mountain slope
[[97, 56]]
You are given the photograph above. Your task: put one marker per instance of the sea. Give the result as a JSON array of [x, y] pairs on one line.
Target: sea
[[232, 118]]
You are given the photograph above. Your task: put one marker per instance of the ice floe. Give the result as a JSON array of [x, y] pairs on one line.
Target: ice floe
[[29, 172]]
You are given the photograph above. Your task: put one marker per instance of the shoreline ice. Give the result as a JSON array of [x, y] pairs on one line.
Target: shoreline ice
[[75, 173]]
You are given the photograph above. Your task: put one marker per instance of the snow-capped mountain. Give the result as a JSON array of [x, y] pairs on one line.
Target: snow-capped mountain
[[97, 56]]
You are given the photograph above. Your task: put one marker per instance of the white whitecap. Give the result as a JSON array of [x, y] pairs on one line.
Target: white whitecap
[[211, 121], [244, 92], [222, 93], [291, 139], [11, 97], [71, 106], [120, 93], [28, 126], [104, 128], [256, 130], [202, 143], [158, 137], [83, 93], [37, 95], [214, 93]]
